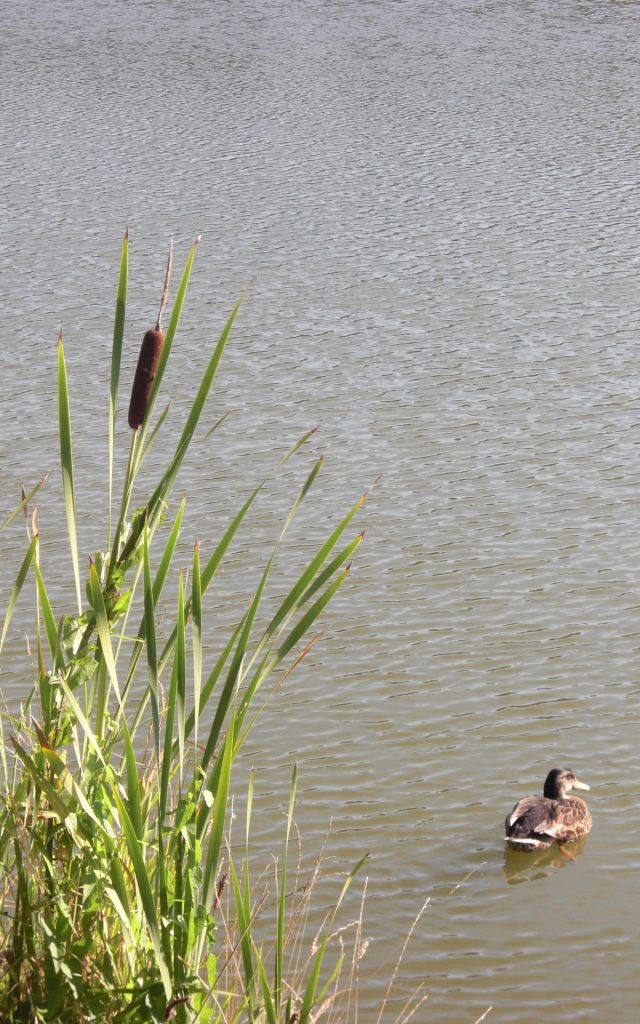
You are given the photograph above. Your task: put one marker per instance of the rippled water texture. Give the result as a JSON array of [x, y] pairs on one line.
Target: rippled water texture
[[440, 205]]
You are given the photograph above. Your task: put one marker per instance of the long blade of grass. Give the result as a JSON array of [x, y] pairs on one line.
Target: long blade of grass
[[166, 771], [270, 1003], [133, 783], [312, 568], [217, 822], [66, 456], [181, 674], [212, 679], [268, 664], [213, 564], [17, 587], [234, 670], [53, 637], [104, 635], [159, 581], [167, 760], [116, 358], [311, 615], [311, 579], [196, 642], [150, 636], [242, 905]]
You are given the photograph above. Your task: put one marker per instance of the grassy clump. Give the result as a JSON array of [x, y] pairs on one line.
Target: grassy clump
[[116, 774]]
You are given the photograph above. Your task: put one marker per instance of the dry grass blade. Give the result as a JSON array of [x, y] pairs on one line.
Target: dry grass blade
[[401, 956]]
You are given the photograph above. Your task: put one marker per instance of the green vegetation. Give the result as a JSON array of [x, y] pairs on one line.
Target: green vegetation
[[116, 775]]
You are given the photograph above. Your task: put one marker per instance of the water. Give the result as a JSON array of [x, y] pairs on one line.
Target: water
[[440, 206]]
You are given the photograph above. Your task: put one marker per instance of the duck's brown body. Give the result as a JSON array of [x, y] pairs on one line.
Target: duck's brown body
[[538, 821]]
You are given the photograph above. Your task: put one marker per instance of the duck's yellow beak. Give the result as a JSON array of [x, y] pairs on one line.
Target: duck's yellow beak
[[580, 785]]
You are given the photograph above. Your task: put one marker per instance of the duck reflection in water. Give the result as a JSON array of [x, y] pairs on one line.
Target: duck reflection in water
[[540, 864]]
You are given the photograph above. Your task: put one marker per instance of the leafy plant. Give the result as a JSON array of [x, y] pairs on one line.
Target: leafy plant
[[110, 845]]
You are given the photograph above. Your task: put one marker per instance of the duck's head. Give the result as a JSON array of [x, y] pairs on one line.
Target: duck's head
[[559, 781]]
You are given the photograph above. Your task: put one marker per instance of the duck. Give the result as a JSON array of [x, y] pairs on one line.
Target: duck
[[537, 822]]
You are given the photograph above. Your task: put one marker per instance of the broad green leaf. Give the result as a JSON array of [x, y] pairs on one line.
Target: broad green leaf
[[144, 888]]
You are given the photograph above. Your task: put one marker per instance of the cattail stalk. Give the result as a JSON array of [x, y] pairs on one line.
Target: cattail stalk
[[148, 359]]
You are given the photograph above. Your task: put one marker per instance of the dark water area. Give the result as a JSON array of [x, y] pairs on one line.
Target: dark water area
[[438, 209]]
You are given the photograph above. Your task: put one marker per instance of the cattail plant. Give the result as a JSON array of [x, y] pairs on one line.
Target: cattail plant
[[111, 845]]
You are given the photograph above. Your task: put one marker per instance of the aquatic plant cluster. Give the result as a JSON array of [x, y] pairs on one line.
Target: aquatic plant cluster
[[119, 899]]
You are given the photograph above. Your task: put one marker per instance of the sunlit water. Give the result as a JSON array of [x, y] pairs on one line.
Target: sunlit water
[[439, 204]]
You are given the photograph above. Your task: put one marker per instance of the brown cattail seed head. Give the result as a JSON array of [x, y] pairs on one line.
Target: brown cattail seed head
[[145, 372]]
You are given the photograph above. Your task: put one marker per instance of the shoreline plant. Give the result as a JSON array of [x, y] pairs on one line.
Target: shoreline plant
[[116, 775]]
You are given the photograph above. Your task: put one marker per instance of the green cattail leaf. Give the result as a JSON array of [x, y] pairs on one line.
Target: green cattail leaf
[[116, 358], [181, 672], [218, 819], [104, 633], [53, 638], [311, 615], [242, 904], [144, 889], [212, 679], [158, 585], [66, 457], [319, 558], [233, 675], [271, 1004], [310, 581], [133, 784], [17, 587], [167, 760], [196, 640], [150, 637]]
